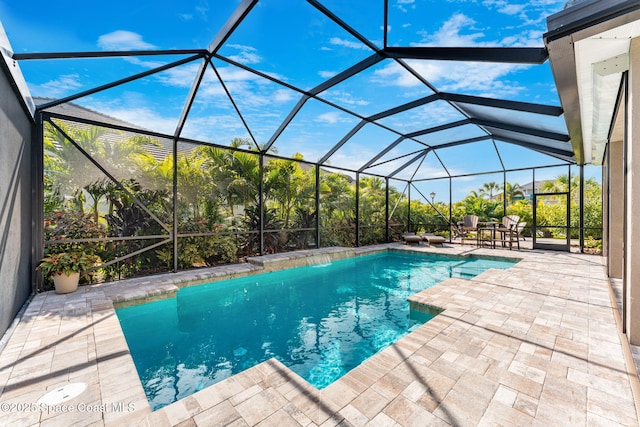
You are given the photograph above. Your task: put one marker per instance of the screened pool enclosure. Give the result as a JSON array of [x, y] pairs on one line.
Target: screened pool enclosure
[[259, 154]]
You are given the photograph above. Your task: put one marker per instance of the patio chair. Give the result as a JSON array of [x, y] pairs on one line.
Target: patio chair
[[508, 230], [411, 239], [520, 229], [432, 239], [468, 224]]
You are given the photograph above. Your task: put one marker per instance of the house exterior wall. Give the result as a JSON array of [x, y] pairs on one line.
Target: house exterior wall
[[632, 249], [15, 200]]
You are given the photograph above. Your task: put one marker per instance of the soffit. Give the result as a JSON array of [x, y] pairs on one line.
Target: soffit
[[588, 51]]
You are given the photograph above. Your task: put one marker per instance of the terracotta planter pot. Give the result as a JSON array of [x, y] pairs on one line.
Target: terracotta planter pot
[[66, 283]]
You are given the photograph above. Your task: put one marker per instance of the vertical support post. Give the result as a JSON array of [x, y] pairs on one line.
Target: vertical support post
[[37, 196], [357, 209], [581, 211], [386, 209], [569, 207], [317, 206], [534, 226], [261, 204], [504, 192], [409, 207], [174, 186], [450, 208], [386, 21]]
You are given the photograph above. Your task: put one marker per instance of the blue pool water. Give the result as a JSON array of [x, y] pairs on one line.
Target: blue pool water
[[320, 321]]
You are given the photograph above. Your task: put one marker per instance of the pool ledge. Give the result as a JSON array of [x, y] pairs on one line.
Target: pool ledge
[[128, 292]]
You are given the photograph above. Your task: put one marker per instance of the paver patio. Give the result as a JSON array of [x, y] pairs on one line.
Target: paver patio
[[536, 344]]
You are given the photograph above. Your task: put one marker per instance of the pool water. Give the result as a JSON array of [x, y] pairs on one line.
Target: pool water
[[320, 321]]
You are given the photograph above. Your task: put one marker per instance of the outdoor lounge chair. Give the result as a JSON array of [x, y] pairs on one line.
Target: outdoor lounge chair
[[520, 228], [432, 239], [508, 230], [468, 224], [411, 239]]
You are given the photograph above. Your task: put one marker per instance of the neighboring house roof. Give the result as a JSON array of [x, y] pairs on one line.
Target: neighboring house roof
[[163, 148], [75, 110], [528, 187]]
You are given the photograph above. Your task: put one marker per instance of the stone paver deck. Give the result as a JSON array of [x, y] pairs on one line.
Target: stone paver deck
[[533, 345]]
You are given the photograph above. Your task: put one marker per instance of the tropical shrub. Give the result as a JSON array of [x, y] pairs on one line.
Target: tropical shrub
[[67, 262], [218, 197]]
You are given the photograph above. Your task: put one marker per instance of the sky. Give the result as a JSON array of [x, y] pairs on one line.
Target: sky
[[297, 45]]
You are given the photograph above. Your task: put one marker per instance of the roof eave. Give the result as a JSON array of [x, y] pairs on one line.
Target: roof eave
[[566, 28]]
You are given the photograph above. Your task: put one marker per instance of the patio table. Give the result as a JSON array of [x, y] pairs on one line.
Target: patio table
[[487, 233]]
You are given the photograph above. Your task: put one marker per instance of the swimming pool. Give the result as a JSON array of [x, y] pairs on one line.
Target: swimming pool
[[320, 321]]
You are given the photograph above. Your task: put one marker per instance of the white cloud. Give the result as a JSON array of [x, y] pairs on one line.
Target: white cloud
[[395, 75], [532, 13], [143, 63], [282, 95], [337, 41], [530, 38], [253, 93], [511, 9], [182, 76], [405, 5], [352, 157], [62, 86], [483, 78], [327, 74], [123, 40], [220, 129], [331, 118], [235, 74], [344, 98], [450, 33], [247, 54], [480, 77], [130, 108]]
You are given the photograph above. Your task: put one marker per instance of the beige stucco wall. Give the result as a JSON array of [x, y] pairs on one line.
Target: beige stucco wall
[[632, 237]]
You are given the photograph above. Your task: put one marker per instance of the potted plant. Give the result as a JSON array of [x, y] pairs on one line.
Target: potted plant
[[65, 268]]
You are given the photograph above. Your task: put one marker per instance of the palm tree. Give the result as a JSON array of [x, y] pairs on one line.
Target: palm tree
[[337, 196], [67, 164], [559, 185], [97, 190], [513, 190], [372, 199], [286, 177], [489, 188]]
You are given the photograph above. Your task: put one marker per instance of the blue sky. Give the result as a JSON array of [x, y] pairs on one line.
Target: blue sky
[[296, 44]]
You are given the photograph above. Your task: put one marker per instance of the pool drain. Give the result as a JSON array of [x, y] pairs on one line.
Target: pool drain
[[62, 394]]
